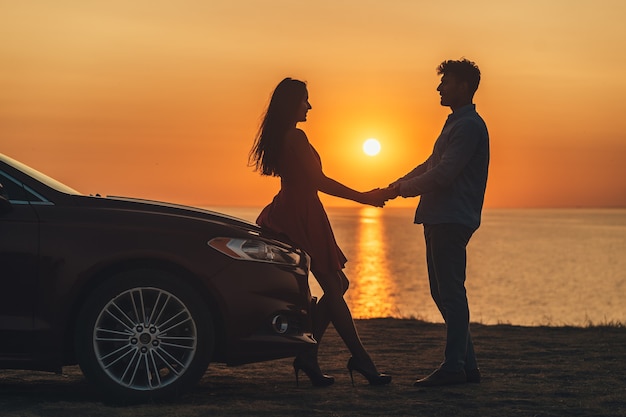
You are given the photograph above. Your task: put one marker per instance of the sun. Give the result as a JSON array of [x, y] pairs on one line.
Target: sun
[[371, 147]]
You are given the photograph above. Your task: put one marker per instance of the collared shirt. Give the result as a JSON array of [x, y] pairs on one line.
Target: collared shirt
[[452, 181]]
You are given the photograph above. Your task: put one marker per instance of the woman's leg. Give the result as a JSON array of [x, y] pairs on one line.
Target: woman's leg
[[322, 318], [335, 309]]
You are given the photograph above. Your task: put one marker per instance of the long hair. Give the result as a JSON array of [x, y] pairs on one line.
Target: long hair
[[279, 118]]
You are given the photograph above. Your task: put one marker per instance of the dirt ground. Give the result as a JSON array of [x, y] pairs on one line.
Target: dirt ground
[[527, 371]]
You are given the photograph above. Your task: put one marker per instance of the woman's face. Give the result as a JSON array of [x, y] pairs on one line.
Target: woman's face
[[303, 108]]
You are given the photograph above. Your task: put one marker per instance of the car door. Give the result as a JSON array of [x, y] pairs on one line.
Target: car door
[[19, 265]]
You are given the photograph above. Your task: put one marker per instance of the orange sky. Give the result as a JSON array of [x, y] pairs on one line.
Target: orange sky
[[161, 100]]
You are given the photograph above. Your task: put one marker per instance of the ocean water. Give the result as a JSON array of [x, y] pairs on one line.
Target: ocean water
[[529, 267]]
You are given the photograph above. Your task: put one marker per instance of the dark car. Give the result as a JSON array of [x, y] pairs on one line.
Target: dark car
[[142, 295]]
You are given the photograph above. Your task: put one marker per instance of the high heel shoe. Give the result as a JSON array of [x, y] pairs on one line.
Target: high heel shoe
[[374, 378], [312, 370]]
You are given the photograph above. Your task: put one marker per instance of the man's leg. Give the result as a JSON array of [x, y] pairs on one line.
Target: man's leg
[[446, 260]]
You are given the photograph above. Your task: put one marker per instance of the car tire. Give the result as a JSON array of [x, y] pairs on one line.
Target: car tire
[[144, 335]]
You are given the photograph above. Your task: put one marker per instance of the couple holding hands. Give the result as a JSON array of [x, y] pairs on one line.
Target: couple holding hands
[[451, 183]]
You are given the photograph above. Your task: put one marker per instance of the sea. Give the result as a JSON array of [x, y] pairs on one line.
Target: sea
[[526, 267]]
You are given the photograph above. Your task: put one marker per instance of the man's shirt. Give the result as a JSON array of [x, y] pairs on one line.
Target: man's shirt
[[452, 181]]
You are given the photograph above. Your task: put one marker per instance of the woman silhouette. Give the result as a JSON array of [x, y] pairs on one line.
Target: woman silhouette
[[281, 149]]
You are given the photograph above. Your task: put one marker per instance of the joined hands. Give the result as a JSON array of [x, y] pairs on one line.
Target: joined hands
[[378, 196]]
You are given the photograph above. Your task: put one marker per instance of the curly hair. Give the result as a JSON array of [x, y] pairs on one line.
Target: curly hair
[[463, 70]]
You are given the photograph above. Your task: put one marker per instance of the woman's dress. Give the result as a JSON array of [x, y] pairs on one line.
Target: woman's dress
[[297, 213]]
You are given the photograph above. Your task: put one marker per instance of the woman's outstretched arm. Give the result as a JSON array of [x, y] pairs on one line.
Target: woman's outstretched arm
[[309, 163]]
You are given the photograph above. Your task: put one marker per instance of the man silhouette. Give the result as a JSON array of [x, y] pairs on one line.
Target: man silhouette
[[452, 183]]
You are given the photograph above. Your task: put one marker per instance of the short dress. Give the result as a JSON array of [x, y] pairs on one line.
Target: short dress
[[297, 213]]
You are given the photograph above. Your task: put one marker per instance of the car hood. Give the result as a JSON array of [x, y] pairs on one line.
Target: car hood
[[167, 209]]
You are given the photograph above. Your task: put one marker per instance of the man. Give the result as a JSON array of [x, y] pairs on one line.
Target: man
[[451, 183]]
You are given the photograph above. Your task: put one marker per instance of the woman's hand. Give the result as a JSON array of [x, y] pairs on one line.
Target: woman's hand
[[377, 197], [392, 191], [373, 198]]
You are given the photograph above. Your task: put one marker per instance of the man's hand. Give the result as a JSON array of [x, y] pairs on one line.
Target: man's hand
[[373, 198], [392, 191], [377, 197]]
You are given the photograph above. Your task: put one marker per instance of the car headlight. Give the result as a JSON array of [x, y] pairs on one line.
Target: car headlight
[[254, 250]]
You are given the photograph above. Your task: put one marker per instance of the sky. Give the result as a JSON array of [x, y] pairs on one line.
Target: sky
[[162, 99]]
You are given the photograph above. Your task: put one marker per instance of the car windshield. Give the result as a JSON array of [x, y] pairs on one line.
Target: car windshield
[[43, 178]]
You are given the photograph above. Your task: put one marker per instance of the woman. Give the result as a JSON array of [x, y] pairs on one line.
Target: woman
[[281, 149]]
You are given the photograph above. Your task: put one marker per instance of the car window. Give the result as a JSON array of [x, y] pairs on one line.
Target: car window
[[46, 180], [15, 192]]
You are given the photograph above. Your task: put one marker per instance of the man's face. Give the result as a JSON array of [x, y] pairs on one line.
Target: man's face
[[453, 93]]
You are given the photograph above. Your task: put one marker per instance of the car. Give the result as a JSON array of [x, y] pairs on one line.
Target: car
[[142, 295]]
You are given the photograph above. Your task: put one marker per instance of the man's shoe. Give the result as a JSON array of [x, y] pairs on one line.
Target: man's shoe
[[442, 377], [473, 375]]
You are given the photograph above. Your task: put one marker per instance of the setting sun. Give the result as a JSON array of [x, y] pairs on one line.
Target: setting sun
[[170, 100], [371, 147]]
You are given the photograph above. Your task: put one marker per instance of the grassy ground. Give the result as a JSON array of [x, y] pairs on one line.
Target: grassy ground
[[527, 371]]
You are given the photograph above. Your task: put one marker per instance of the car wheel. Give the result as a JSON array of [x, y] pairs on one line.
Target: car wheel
[[144, 335]]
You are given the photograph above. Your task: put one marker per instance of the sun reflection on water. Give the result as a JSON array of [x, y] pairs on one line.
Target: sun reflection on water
[[371, 287], [507, 265]]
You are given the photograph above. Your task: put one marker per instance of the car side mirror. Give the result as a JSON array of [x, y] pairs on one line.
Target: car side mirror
[[5, 205]]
